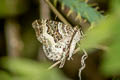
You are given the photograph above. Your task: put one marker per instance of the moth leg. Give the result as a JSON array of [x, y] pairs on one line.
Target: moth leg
[[70, 56], [70, 53], [62, 63], [63, 59], [75, 39]]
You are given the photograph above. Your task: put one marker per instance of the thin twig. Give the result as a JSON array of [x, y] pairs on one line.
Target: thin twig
[[102, 47], [76, 50], [57, 13], [84, 57], [55, 64]]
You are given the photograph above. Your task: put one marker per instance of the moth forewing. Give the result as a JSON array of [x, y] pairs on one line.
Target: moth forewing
[[58, 39]]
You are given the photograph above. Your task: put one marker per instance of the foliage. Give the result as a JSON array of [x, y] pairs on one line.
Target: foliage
[[106, 33], [12, 8], [83, 9], [24, 69]]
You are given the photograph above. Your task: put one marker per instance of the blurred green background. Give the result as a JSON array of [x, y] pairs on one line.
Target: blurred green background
[[22, 57]]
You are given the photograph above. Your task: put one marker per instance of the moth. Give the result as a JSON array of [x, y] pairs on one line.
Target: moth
[[59, 40]]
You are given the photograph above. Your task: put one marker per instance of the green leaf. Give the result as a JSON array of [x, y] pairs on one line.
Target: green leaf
[[98, 34], [30, 70], [5, 76], [83, 9], [106, 32], [111, 64]]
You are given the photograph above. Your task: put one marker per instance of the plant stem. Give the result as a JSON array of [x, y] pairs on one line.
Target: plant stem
[[57, 13]]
